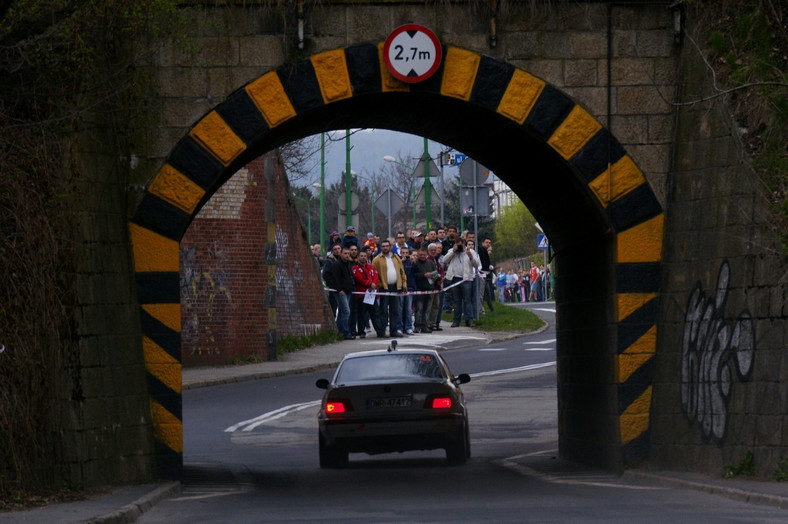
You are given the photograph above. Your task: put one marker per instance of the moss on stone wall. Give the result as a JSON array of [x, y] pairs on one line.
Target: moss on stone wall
[[746, 44]]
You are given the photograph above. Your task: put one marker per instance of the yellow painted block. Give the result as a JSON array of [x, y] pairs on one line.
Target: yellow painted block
[[627, 365], [632, 426], [624, 176], [174, 187], [646, 344], [520, 96], [272, 276], [459, 73], [573, 133], [270, 98], [635, 419], [153, 252], [169, 375], [387, 81], [272, 318], [271, 232], [167, 314], [161, 365], [642, 243], [601, 186], [167, 429], [155, 354], [627, 303], [213, 133], [641, 405], [332, 75], [636, 355]]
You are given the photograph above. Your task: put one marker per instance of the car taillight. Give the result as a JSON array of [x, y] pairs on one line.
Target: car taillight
[[334, 407], [441, 402]]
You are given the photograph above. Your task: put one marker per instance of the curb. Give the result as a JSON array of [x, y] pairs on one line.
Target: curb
[[491, 336], [730, 492], [259, 375], [133, 511]]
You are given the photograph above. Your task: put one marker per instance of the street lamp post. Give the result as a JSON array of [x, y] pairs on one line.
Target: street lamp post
[[322, 193], [389, 158]]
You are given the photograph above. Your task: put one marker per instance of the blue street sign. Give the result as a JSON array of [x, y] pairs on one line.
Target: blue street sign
[[542, 242], [455, 159]]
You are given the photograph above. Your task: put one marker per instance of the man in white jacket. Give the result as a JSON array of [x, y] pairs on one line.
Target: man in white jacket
[[460, 263]]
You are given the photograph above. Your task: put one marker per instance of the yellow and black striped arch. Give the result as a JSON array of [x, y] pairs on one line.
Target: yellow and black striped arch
[[229, 134]]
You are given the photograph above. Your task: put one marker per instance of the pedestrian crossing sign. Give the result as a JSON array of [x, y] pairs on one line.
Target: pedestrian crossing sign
[[542, 242]]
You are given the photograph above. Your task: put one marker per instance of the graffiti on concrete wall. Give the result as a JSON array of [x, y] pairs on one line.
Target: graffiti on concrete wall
[[715, 352]]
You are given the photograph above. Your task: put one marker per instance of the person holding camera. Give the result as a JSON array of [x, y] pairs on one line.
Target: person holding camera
[[460, 265]]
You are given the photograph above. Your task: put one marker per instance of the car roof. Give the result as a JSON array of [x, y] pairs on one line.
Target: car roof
[[392, 352]]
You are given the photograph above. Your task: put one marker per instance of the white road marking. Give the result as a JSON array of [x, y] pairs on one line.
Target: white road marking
[[211, 492], [548, 341], [539, 349], [271, 415], [544, 309], [251, 424], [492, 349], [602, 480], [512, 370]]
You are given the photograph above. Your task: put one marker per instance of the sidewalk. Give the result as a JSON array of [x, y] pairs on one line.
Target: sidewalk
[[318, 358], [127, 503]]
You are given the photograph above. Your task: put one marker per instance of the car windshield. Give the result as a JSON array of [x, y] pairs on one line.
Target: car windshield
[[389, 366]]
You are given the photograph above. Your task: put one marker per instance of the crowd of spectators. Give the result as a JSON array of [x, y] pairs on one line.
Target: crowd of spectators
[[400, 286]]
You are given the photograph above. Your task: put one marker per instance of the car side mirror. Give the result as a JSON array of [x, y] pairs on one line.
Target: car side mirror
[[322, 383], [463, 378]]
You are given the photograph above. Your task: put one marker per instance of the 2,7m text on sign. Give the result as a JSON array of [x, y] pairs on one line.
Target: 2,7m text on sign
[[416, 54]]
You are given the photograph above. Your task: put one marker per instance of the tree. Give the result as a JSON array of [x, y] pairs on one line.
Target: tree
[[515, 232], [401, 181], [300, 157]]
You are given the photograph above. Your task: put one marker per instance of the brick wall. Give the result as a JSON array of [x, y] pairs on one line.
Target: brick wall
[[224, 273]]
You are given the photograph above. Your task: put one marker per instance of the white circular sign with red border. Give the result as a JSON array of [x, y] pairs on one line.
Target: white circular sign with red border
[[412, 53]]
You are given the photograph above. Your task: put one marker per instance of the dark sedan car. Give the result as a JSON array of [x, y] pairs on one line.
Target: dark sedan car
[[386, 401]]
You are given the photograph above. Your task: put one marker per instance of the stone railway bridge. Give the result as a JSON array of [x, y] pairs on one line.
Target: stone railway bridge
[[672, 307]]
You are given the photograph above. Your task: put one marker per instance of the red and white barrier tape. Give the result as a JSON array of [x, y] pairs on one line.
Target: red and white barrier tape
[[388, 294]]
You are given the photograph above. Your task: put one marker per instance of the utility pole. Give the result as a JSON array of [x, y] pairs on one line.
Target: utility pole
[[427, 186], [348, 183], [443, 192]]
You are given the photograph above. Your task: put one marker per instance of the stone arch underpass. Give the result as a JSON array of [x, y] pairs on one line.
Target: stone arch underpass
[[592, 200]]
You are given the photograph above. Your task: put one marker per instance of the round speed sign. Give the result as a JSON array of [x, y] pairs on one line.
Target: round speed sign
[[412, 53]]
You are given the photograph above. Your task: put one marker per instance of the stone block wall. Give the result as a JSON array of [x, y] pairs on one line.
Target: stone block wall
[[722, 360], [565, 44], [224, 274], [106, 435]]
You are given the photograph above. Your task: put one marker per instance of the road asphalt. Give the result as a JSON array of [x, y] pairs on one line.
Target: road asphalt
[[126, 503]]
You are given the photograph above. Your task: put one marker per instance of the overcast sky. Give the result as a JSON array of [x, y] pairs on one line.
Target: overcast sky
[[368, 147]]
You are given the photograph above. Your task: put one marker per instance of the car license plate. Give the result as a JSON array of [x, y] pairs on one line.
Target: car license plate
[[390, 402]]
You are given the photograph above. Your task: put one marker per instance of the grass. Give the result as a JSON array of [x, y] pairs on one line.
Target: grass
[[745, 468], [290, 344], [505, 318], [781, 472]]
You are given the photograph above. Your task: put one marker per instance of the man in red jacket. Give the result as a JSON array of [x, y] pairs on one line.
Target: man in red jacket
[[366, 279]]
